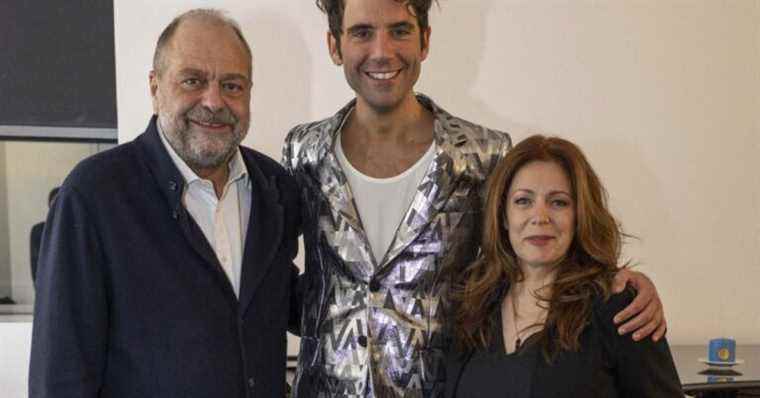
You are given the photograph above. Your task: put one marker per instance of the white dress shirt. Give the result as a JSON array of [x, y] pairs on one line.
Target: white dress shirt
[[224, 221]]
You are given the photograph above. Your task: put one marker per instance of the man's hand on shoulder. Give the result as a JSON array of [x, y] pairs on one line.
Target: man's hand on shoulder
[[645, 315]]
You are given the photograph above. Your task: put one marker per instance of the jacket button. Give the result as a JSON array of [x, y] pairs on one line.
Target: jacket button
[[374, 285], [251, 383], [362, 340], [173, 185]]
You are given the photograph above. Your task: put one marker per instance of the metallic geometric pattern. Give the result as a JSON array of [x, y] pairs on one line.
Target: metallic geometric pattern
[[374, 329]]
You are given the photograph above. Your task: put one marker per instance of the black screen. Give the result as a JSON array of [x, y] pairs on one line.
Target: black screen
[[57, 65]]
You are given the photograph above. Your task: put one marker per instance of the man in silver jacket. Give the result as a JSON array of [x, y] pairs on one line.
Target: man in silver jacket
[[392, 191]]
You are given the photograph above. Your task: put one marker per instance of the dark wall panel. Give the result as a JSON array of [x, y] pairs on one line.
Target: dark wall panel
[[57, 63]]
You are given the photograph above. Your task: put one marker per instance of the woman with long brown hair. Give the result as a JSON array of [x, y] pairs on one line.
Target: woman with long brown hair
[[532, 317]]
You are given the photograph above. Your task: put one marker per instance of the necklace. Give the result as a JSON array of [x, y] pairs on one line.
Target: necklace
[[525, 331], [518, 341]]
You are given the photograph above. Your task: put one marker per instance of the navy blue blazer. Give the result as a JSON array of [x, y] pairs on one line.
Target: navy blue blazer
[[131, 299]]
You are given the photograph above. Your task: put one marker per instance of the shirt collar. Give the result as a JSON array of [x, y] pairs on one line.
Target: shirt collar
[[236, 165]]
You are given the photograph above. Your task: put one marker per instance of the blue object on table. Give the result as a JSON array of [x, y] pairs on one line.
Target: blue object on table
[[722, 350]]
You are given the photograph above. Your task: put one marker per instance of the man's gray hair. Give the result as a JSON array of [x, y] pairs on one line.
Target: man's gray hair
[[208, 14]]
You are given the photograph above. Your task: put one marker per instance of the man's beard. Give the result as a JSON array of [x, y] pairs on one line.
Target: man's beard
[[202, 150]]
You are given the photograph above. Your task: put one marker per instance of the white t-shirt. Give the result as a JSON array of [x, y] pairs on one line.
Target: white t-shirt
[[383, 202]]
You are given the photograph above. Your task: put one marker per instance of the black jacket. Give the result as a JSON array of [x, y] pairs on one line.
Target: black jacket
[[607, 365], [131, 299]]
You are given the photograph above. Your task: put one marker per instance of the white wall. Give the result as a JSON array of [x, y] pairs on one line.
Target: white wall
[[15, 345], [663, 95]]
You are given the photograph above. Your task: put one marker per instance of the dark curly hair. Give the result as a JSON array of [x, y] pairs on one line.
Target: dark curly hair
[[334, 10]]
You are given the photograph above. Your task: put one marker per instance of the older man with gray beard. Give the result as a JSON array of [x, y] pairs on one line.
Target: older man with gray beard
[[166, 264]]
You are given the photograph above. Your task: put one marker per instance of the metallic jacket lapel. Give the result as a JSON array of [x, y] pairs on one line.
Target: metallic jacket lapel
[[439, 182], [329, 204], [346, 234]]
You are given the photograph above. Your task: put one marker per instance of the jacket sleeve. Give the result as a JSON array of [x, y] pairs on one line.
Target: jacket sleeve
[[643, 368], [288, 156], [297, 282], [70, 327]]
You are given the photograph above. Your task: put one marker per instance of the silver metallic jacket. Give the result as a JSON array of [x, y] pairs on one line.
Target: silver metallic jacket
[[372, 328]]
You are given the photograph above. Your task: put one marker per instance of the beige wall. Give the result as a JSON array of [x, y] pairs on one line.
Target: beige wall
[[6, 287], [663, 95]]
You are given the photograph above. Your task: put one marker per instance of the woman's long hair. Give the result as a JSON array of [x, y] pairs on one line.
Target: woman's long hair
[[585, 272]]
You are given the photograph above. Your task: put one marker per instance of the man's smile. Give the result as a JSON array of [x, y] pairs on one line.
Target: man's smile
[[383, 75], [210, 125]]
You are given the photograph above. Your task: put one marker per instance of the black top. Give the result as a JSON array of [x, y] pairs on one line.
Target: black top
[[607, 365], [494, 373], [35, 238]]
